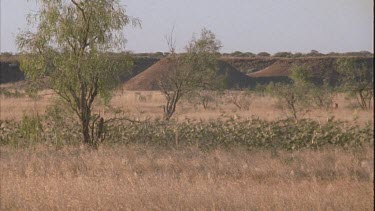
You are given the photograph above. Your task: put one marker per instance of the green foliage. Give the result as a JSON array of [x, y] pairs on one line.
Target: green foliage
[[315, 95], [249, 54], [283, 54], [251, 134], [314, 53], [69, 49], [192, 71], [263, 54], [61, 128], [31, 128], [358, 79], [301, 75], [297, 55], [16, 94], [25, 133], [241, 54]]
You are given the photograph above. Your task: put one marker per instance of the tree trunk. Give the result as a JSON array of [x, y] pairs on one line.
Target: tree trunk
[[86, 130], [362, 99], [85, 121], [170, 108]]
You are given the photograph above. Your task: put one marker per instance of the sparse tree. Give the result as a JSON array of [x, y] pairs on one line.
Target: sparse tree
[[357, 78], [290, 98], [191, 71], [204, 98], [317, 92], [68, 48], [241, 99]]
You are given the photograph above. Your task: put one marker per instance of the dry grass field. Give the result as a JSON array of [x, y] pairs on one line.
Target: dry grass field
[[147, 178], [135, 178], [149, 104]]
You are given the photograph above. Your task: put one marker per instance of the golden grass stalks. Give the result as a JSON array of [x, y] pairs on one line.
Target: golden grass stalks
[[139, 178]]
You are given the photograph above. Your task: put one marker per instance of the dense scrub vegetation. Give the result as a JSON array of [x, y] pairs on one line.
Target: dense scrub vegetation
[[286, 134]]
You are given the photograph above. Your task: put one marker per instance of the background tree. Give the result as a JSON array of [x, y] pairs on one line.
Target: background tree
[[283, 54], [317, 92], [358, 79], [238, 54], [297, 55], [241, 99], [193, 70], [290, 99], [249, 54], [68, 49], [263, 54], [314, 53]]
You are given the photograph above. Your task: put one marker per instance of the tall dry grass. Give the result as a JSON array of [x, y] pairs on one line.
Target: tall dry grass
[[149, 104], [139, 178]]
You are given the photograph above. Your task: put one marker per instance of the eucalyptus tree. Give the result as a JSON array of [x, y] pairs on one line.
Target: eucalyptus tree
[[193, 70], [67, 49]]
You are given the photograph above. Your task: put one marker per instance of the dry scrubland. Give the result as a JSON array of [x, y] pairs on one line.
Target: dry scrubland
[[137, 177], [149, 104]]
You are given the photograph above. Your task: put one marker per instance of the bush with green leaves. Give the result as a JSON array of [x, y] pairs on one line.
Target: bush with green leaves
[[287, 134], [316, 95], [7, 93], [357, 78], [68, 46], [27, 132]]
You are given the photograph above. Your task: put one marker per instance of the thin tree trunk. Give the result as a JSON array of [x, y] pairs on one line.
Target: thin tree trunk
[[86, 130]]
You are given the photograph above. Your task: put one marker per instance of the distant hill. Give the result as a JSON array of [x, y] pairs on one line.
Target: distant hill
[[149, 79], [241, 71], [322, 67], [10, 71]]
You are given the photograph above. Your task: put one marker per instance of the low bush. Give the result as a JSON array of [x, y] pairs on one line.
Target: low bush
[[285, 134]]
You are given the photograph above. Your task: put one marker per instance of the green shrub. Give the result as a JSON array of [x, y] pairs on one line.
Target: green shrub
[[251, 134], [5, 92]]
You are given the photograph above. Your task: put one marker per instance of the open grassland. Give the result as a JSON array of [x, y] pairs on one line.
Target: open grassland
[[139, 178], [231, 160], [149, 104]]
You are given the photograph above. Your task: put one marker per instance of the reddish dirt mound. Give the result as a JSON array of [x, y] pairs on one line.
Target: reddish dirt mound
[[148, 79], [279, 68]]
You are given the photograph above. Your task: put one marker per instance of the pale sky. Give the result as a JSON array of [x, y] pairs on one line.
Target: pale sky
[[243, 25]]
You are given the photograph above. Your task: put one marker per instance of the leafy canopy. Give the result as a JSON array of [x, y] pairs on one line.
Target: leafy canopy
[[69, 43], [68, 49]]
